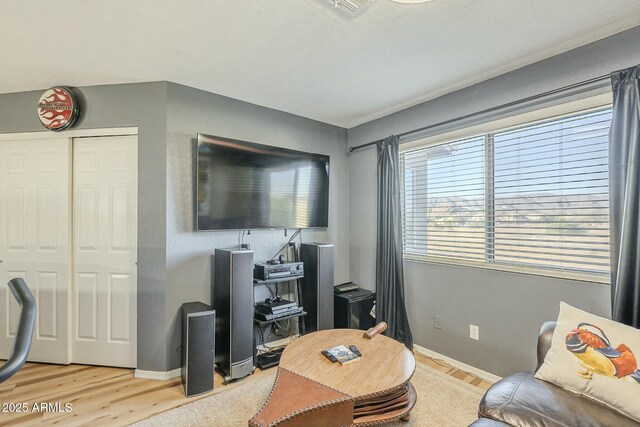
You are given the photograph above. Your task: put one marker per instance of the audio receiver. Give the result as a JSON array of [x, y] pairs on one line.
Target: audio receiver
[[277, 270]]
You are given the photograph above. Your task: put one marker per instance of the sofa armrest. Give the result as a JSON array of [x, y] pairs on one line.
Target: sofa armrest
[[544, 341]]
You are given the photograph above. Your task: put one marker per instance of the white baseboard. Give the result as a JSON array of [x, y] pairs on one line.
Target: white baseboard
[[157, 375], [164, 376], [456, 363]]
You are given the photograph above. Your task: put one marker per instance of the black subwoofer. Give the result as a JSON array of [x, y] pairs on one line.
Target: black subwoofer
[[198, 342], [353, 309]]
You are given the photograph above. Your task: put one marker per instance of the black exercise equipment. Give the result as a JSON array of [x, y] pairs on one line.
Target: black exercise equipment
[[22, 343]]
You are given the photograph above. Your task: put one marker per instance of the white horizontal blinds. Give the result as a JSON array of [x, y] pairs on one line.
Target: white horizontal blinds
[[534, 196], [551, 194], [444, 200]]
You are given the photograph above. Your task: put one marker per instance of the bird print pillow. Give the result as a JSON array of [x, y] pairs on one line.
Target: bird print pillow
[[595, 357]]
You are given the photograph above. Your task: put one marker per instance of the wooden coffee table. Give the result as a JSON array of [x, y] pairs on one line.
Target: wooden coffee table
[[310, 390]]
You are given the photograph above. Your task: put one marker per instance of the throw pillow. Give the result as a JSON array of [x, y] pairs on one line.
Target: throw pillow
[[595, 357]]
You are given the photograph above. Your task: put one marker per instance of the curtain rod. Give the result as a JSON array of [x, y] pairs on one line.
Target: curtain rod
[[489, 110]]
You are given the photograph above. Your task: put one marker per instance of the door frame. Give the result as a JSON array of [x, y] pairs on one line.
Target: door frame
[[71, 135]]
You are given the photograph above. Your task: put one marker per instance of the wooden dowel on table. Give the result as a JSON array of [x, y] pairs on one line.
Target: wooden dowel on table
[[378, 329]]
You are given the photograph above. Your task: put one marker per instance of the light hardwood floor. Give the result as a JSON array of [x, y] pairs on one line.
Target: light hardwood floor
[[112, 396]]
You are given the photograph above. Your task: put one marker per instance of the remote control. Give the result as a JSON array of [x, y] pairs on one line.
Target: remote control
[[355, 350], [329, 356]]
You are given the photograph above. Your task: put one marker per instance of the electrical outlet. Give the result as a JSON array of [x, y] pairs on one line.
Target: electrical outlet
[[474, 332], [437, 321]]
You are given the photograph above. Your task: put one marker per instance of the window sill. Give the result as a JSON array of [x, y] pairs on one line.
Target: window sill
[[568, 275]]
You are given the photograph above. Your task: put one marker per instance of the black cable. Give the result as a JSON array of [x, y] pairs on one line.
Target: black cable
[[293, 236], [265, 348], [261, 330], [287, 329], [273, 294], [275, 329]]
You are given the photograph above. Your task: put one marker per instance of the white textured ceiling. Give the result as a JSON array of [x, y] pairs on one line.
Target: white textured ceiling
[[298, 56]]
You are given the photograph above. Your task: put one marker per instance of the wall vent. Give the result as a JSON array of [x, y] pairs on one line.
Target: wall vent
[[349, 7]]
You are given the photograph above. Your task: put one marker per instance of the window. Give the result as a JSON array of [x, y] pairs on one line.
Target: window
[[530, 197]]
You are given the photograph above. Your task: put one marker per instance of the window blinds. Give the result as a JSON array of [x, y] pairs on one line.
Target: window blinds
[[444, 200], [534, 196]]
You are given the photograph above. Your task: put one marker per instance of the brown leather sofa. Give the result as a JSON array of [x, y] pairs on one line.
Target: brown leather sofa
[[522, 400]]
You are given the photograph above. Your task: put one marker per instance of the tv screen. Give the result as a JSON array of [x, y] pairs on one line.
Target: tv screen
[[243, 185]]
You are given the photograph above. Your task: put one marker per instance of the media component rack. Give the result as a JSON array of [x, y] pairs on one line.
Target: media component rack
[[273, 312]]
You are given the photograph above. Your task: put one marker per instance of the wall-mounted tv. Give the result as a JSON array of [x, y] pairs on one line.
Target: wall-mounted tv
[[243, 185]]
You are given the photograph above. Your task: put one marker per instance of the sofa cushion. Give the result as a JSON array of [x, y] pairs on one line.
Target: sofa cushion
[[594, 356], [522, 400]]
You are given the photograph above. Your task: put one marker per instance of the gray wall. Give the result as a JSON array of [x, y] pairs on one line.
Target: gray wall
[[173, 260], [508, 307], [142, 105], [190, 111]]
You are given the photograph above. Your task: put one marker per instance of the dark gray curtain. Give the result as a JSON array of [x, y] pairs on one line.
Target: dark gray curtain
[[624, 197], [390, 305]]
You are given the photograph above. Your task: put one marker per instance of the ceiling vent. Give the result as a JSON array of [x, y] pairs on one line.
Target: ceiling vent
[[349, 7]]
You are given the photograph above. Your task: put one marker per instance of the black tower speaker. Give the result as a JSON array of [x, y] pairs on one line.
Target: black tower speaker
[[317, 285], [232, 296], [198, 342]]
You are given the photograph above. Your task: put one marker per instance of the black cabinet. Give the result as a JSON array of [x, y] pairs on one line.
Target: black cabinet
[[353, 309]]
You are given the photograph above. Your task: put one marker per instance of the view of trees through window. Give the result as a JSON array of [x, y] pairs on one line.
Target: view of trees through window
[[535, 196]]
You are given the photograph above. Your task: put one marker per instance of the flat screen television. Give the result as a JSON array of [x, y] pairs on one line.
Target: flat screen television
[[243, 185]]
